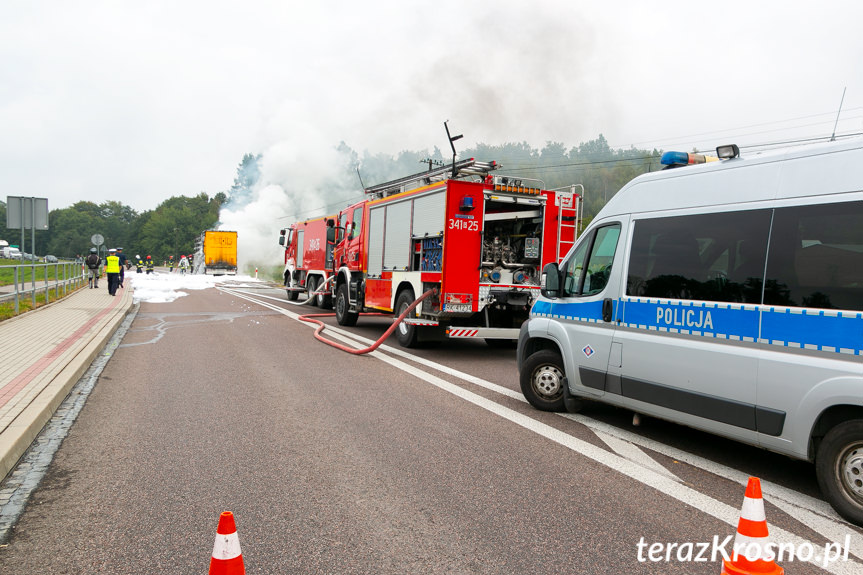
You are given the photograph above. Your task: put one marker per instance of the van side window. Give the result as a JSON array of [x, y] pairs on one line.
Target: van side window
[[816, 257], [596, 255], [708, 257]]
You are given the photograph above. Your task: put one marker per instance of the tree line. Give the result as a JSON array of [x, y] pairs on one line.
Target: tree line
[[170, 229]]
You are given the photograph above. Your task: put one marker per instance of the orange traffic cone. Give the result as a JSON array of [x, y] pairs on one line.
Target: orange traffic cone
[[227, 557], [751, 537]]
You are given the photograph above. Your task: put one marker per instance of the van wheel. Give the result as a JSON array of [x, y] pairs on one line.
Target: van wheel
[[343, 316], [311, 285], [839, 467], [542, 380], [406, 334]]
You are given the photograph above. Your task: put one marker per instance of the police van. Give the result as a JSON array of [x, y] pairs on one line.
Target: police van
[[726, 296]]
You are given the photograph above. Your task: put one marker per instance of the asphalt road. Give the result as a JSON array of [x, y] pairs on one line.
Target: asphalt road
[[390, 463]]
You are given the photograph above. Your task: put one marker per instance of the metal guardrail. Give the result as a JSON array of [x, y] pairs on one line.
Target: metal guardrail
[[65, 276]]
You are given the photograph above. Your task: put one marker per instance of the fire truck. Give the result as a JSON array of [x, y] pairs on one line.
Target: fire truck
[[308, 258], [479, 240]]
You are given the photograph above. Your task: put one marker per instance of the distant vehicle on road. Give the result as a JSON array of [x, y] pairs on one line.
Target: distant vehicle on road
[[51, 259], [216, 253], [11, 252]]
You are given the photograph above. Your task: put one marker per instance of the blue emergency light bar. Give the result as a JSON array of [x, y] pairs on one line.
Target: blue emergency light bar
[[673, 159]]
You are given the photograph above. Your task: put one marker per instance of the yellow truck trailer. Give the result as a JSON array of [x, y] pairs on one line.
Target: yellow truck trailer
[[216, 253]]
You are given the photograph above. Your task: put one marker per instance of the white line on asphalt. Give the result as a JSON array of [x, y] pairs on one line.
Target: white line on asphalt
[[636, 471]]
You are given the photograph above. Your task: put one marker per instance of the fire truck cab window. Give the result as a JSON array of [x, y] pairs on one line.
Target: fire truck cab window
[[357, 224]]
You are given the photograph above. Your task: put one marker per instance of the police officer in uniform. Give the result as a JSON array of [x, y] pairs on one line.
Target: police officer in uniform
[[122, 257], [112, 269]]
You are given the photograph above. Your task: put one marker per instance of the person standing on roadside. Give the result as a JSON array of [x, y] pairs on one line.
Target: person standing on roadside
[[150, 265], [122, 257], [112, 268], [93, 262], [184, 265]]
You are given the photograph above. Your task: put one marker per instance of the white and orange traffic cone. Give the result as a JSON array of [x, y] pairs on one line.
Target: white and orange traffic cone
[[751, 536], [227, 557]]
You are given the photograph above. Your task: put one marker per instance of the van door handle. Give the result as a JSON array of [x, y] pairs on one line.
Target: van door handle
[[607, 308]]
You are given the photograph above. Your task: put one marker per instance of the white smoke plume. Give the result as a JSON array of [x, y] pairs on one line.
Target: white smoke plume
[[292, 187]]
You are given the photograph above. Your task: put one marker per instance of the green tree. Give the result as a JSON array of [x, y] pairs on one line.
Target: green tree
[[71, 229], [171, 229]]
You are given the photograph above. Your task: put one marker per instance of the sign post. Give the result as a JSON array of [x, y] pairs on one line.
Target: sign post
[[27, 213]]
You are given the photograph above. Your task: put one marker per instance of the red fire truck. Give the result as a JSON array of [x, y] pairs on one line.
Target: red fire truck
[[308, 257], [480, 240]]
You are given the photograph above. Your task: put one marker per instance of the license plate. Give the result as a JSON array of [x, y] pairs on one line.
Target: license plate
[[461, 307]]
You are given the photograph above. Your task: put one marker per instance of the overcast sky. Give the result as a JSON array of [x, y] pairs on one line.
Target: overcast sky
[[141, 101]]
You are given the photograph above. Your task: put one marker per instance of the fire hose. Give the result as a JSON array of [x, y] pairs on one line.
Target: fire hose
[[321, 326], [318, 291]]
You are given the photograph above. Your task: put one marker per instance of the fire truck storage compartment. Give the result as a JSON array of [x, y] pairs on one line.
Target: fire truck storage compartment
[[402, 222], [512, 240], [300, 234]]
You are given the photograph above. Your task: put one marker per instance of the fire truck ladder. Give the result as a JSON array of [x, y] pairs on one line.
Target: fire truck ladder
[[469, 167], [567, 222]]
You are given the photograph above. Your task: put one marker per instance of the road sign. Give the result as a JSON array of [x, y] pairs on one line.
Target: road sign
[[26, 213], [97, 239]]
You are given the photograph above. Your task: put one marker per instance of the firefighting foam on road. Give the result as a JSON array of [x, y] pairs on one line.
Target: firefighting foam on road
[[162, 287]]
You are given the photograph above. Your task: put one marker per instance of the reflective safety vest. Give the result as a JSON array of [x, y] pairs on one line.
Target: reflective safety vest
[[112, 265]]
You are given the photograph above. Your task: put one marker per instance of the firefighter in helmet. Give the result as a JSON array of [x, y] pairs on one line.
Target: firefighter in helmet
[[139, 264], [170, 263], [151, 265]]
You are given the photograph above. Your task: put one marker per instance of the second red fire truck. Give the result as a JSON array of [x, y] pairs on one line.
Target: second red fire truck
[[309, 258], [477, 240]]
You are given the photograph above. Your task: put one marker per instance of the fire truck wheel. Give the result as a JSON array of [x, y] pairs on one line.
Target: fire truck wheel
[[406, 334], [343, 316], [542, 380], [292, 294], [325, 300], [311, 285]]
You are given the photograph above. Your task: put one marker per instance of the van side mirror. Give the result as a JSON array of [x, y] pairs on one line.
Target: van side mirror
[[549, 281], [282, 241]]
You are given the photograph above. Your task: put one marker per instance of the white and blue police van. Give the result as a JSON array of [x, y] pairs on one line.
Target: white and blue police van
[[726, 296]]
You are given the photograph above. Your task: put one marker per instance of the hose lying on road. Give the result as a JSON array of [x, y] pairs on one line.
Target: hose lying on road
[[321, 326]]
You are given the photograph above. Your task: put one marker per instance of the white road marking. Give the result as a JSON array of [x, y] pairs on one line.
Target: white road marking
[[798, 505]]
